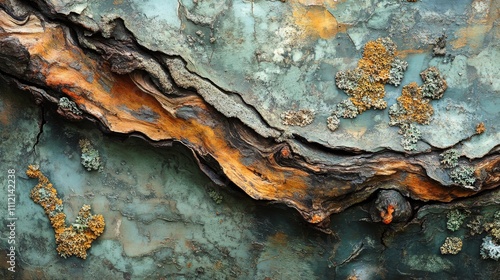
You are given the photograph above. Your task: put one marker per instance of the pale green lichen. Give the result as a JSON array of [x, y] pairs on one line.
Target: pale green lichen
[[451, 246], [396, 74], [69, 105], [215, 195], [463, 176], [449, 158], [411, 135], [90, 158], [455, 219], [434, 85], [345, 109]]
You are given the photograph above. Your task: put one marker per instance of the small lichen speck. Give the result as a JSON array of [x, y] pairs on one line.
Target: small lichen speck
[[297, 118]]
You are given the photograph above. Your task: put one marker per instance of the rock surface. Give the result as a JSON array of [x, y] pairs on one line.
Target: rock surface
[[220, 89]]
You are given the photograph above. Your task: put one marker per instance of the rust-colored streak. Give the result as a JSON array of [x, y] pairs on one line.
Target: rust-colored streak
[[482, 17], [113, 99], [386, 215], [426, 189]]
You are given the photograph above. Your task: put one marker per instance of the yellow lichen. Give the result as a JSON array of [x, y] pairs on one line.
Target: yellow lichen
[[73, 240], [365, 84], [417, 108], [480, 129], [376, 61]]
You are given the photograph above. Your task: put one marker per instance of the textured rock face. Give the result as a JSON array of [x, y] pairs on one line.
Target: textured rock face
[[248, 91], [220, 77]]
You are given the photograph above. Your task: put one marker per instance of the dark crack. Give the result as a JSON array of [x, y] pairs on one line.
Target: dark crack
[[41, 123]]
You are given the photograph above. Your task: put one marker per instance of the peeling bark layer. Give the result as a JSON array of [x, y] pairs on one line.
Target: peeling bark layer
[[131, 91]]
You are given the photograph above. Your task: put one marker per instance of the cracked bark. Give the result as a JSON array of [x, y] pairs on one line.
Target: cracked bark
[[130, 90]]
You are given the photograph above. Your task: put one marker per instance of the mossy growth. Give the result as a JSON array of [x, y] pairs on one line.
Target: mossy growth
[[451, 246], [455, 219], [215, 195], [90, 158], [73, 240]]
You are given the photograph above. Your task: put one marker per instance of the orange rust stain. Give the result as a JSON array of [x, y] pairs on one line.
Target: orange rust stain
[[482, 17], [6, 112], [280, 238], [218, 265], [426, 189], [472, 36], [406, 53], [386, 215], [261, 180], [316, 219], [314, 18]]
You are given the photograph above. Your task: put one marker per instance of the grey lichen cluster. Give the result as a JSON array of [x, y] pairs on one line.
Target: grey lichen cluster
[[411, 134], [451, 246], [439, 48], [434, 85], [90, 158], [463, 176], [344, 109], [490, 249], [396, 74], [476, 225], [297, 118], [455, 219], [348, 80], [389, 45], [69, 105], [460, 175], [332, 122]]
